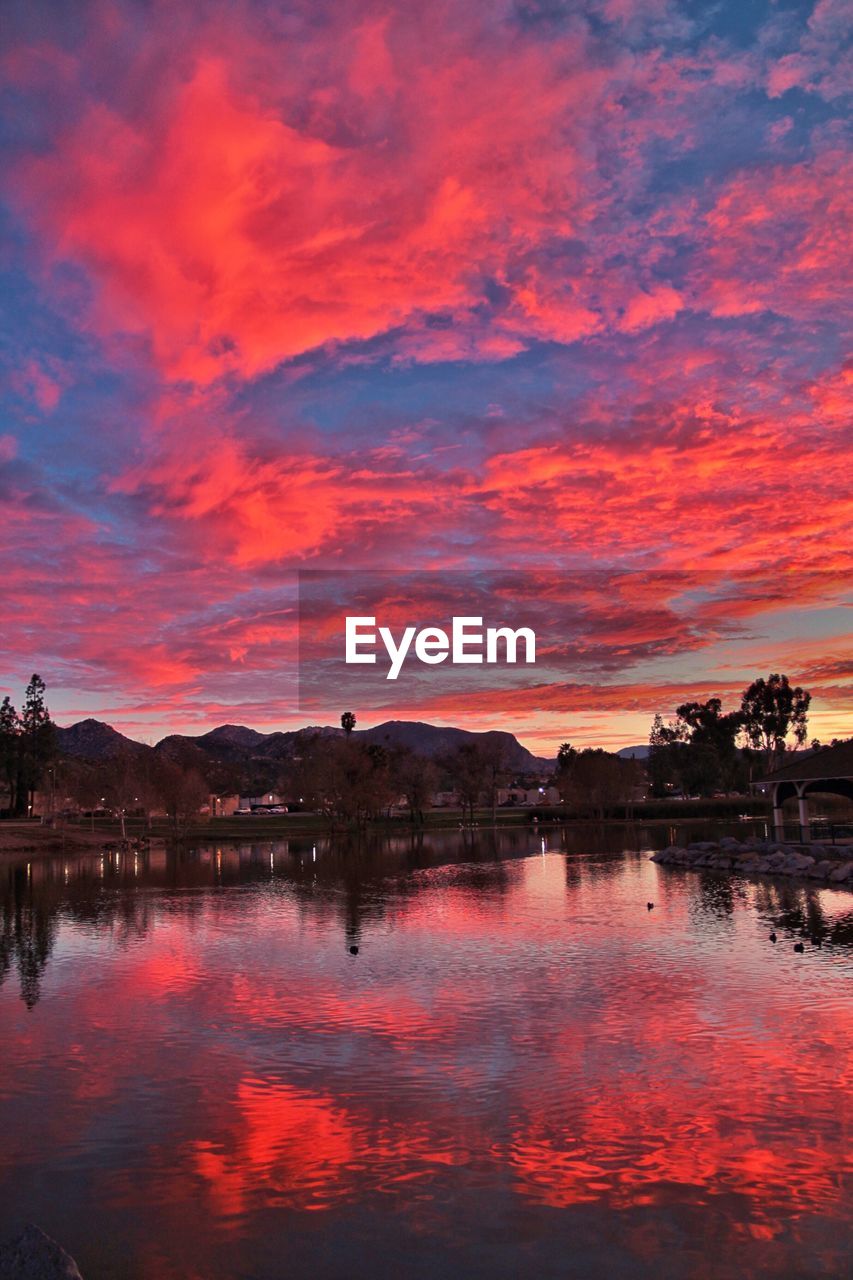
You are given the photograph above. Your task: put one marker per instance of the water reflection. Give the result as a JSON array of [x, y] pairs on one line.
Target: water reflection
[[521, 1072]]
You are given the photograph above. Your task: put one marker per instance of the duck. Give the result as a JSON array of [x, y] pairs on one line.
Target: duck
[[650, 906], [773, 937], [798, 946], [353, 951]]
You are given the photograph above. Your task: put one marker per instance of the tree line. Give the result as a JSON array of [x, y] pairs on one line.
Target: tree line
[[706, 749], [703, 750], [354, 782], [129, 782]]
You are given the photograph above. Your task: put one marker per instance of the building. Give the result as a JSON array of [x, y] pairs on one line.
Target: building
[[269, 800], [223, 806], [508, 797]]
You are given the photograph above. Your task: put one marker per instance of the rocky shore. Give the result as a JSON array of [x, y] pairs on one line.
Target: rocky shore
[[32, 1255], [828, 864]]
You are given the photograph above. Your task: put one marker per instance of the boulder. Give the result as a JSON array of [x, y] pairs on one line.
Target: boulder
[[797, 862], [32, 1255]]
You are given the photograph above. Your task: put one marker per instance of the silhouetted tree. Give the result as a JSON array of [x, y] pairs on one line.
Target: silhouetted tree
[[469, 769], [10, 730], [563, 774], [348, 722], [494, 753], [772, 710], [597, 780], [712, 756], [345, 780], [417, 779], [37, 743], [182, 792], [666, 750]]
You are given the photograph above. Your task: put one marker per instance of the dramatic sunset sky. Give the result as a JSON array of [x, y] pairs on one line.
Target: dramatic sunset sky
[[534, 286]]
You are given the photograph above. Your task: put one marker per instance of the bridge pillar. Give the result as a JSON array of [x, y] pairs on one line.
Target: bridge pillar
[[803, 802]]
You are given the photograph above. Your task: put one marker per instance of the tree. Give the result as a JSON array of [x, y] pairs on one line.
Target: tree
[[771, 711], [348, 722], [345, 780], [666, 749], [596, 779], [10, 729], [182, 792], [711, 733], [417, 779], [127, 784], [470, 770], [37, 744], [563, 776], [493, 751]]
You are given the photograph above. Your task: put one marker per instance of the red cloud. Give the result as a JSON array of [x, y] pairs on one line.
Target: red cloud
[[234, 238]]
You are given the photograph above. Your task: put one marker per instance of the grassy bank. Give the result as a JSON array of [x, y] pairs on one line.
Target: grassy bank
[[32, 837]]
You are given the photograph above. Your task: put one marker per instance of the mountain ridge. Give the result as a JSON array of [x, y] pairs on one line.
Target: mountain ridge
[[95, 740]]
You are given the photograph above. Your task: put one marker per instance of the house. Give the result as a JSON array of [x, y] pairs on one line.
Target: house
[[509, 797], [223, 806], [269, 800]]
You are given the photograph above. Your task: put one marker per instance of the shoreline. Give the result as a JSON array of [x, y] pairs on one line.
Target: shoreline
[[24, 836], [28, 838]]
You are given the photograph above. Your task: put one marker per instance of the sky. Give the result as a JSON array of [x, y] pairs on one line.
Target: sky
[[462, 288]]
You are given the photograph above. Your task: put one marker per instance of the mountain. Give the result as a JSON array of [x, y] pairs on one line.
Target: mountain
[[233, 735], [433, 740], [93, 740], [232, 753], [635, 753]]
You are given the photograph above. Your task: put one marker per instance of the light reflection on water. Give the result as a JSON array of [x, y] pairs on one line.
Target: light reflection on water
[[522, 1071]]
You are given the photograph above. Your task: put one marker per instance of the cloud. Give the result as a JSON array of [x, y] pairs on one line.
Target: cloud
[[440, 287]]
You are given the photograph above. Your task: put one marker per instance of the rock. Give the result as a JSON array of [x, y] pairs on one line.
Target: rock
[[34, 1256], [760, 857], [798, 862]]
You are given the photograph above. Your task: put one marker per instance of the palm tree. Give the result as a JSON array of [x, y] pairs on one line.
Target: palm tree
[[348, 722]]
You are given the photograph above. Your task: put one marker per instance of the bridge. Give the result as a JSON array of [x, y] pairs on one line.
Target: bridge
[[829, 770]]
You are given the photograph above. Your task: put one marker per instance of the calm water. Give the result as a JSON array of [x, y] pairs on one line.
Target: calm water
[[522, 1072]]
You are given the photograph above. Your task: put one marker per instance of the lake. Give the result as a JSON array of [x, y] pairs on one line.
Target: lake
[[465, 1055]]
